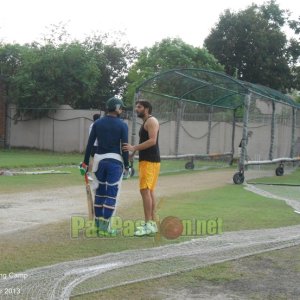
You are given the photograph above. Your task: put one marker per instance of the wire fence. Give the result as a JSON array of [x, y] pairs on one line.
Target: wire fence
[[73, 278], [61, 130]]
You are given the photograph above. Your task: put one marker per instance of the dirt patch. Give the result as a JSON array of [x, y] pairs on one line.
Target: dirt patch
[[21, 210]]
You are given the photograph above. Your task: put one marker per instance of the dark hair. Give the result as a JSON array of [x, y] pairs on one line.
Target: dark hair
[[96, 117], [146, 104]]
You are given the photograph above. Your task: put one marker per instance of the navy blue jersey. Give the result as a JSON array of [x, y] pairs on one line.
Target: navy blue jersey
[[110, 132]]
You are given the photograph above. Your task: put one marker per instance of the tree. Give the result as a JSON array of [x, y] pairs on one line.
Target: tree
[[83, 75], [10, 61], [113, 62], [167, 54], [50, 76], [252, 44]]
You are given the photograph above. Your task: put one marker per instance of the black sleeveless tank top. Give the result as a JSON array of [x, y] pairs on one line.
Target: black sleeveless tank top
[[151, 154]]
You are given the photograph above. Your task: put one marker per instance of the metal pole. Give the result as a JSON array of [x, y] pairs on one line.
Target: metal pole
[[53, 134], [233, 136], [8, 130], [245, 132], [178, 124], [209, 130], [272, 132], [293, 141]]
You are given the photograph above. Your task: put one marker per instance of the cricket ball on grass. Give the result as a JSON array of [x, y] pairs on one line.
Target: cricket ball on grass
[[171, 227]]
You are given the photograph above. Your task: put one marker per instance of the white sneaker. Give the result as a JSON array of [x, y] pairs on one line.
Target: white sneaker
[[152, 226], [149, 228], [142, 231], [142, 224]]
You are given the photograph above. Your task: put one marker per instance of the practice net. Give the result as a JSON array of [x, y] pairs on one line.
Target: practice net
[[271, 136], [210, 120]]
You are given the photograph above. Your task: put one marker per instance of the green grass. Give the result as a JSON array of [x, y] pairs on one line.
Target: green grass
[[34, 160], [157, 288], [52, 244], [49, 244], [239, 209], [22, 158], [228, 277], [293, 179], [15, 159], [25, 183], [169, 166]]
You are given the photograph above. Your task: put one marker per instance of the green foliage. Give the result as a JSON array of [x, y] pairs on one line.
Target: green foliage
[[167, 54], [82, 75], [51, 76], [113, 64], [252, 44], [10, 60], [296, 96]]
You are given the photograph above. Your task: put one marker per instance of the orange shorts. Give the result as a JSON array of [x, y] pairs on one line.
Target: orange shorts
[[148, 174]]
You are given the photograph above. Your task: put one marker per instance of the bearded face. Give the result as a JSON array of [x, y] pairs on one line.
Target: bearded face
[[141, 114], [140, 111]]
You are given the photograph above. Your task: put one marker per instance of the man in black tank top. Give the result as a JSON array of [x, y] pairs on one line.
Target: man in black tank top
[[149, 164]]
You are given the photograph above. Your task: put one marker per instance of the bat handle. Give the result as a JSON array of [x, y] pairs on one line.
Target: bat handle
[[86, 179]]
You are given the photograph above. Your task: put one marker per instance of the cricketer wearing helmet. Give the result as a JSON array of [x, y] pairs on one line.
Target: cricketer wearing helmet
[[109, 161]]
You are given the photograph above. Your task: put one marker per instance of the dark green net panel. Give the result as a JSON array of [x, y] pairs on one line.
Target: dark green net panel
[[207, 88]]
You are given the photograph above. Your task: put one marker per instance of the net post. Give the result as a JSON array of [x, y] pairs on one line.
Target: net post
[[209, 129], [272, 131], [178, 124], [53, 135], [233, 135], [8, 127], [245, 133], [293, 141]]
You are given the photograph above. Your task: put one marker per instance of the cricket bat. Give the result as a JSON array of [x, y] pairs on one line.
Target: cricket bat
[[89, 195]]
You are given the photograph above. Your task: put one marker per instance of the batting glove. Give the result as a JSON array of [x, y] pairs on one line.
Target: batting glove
[[83, 168]]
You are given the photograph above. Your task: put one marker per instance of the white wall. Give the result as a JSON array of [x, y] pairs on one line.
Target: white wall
[[67, 131]]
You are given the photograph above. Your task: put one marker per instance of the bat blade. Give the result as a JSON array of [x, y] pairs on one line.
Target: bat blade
[[89, 196]]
